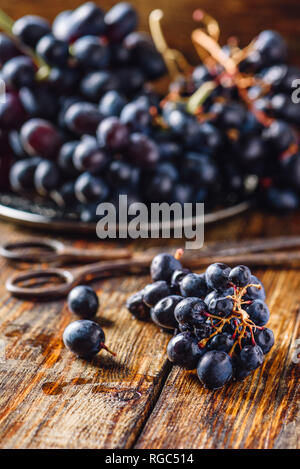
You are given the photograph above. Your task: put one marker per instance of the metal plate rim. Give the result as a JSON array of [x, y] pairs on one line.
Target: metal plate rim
[[33, 220]]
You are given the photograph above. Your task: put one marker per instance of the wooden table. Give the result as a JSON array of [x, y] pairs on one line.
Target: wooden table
[[50, 399]]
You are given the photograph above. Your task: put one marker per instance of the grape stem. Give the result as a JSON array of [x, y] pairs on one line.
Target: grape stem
[[239, 316], [6, 23], [175, 61]]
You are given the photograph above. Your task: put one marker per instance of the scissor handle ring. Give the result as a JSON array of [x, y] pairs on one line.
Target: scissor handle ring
[[54, 247], [52, 292]]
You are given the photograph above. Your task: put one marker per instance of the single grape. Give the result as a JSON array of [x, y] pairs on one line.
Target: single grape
[[163, 312], [83, 118], [259, 312], [191, 312], [163, 266], [142, 151], [40, 138], [22, 174], [47, 177], [89, 188], [240, 276], [95, 84], [215, 369], [113, 134], [264, 338], [112, 103], [217, 276], [194, 285], [53, 51], [89, 156], [30, 28], [222, 342], [136, 306], [65, 158], [120, 20], [251, 357], [83, 301], [91, 52], [12, 112], [85, 338], [18, 72], [154, 292], [183, 350], [8, 49]]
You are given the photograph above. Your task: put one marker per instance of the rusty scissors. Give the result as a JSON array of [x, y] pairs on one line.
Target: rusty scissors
[[54, 282]]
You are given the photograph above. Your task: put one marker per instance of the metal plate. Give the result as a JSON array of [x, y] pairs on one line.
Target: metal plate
[[40, 215]]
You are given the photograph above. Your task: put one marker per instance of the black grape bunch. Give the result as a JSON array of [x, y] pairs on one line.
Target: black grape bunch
[[218, 317]]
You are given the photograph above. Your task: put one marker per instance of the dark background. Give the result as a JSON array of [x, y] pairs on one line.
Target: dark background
[[243, 18]]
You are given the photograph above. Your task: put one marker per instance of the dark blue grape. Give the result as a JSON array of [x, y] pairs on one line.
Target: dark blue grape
[[217, 276], [163, 266], [215, 369], [112, 103], [8, 49], [163, 312], [251, 357], [47, 177], [18, 72], [240, 275], [91, 188], [39, 101], [264, 338], [22, 174], [222, 342], [95, 84], [142, 151], [53, 51], [89, 156], [83, 301], [120, 20], [194, 285], [259, 312], [183, 350], [154, 292], [113, 134], [30, 28], [65, 158], [221, 306], [136, 306], [85, 338], [91, 52], [83, 118], [191, 312]]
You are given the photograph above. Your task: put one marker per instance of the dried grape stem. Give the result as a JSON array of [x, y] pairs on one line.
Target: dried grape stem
[[239, 316]]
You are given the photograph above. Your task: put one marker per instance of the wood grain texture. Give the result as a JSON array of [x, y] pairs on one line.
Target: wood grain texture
[[243, 18]]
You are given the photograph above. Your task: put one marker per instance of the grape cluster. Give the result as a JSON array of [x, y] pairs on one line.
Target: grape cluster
[[219, 318], [81, 123]]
